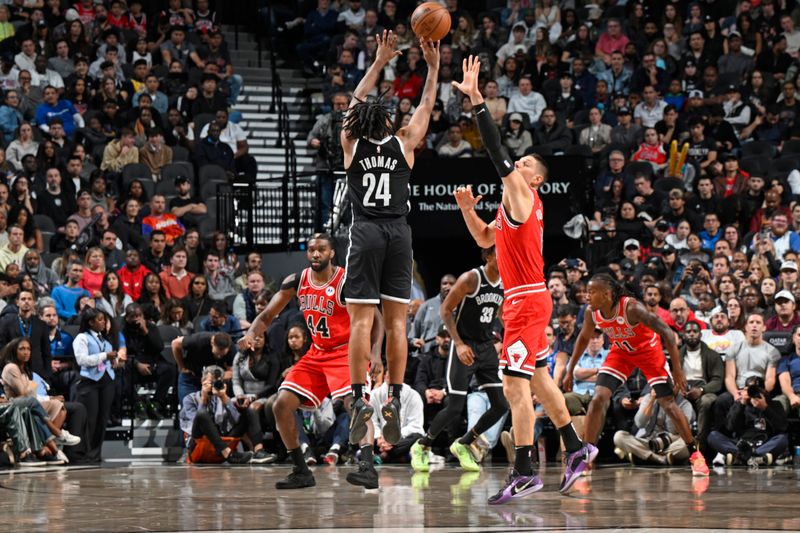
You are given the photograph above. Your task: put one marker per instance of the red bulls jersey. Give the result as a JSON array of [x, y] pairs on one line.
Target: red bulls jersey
[[519, 251], [324, 311], [624, 337]]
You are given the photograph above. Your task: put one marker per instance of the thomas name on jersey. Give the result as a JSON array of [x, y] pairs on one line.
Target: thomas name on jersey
[[378, 161], [316, 302]]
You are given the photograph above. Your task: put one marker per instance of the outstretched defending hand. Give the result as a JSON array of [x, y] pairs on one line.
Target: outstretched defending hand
[[430, 51], [465, 199], [471, 67], [386, 47]]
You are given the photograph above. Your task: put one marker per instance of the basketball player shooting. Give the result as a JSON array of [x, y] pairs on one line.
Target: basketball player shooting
[[634, 334], [378, 162], [517, 232]]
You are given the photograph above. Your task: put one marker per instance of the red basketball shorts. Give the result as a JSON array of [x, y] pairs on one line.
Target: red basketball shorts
[[652, 363], [524, 341], [318, 374]]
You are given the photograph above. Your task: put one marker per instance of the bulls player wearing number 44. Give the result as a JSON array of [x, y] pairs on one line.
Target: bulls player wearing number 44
[[378, 162], [323, 370], [517, 232], [634, 334]]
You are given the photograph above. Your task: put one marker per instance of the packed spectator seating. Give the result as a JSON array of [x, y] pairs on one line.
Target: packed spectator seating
[[688, 117]]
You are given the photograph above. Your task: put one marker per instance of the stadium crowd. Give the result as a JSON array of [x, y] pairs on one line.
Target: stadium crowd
[[687, 112], [118, 119]]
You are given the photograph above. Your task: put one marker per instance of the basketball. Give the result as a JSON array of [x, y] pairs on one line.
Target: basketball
[[431, 21]]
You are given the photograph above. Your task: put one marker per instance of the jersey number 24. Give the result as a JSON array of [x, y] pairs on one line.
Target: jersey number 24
[[377, 190]]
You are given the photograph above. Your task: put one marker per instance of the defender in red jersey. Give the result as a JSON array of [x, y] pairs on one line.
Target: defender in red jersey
[[634, 335], [323, 371], [518, 234]]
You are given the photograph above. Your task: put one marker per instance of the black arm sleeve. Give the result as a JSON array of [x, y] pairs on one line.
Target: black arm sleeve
[[292, 283], [491, 140]]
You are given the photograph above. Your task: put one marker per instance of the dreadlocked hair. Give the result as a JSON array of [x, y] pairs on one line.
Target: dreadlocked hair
[[617, 289], [369, 119]]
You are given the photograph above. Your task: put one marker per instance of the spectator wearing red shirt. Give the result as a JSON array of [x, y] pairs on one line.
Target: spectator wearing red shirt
[[407, 84], [651, 150], [786, 316], [733, 181], [176, 280], [132, 274], [158, 219], [94, 273], [611, 40], [117, 16]]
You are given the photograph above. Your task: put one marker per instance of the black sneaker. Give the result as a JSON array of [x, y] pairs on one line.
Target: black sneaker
[[261, 457], [309, 456], [391, 416], [362, 413], [366, 476], [52, 460], [239, 458], [297, 480]]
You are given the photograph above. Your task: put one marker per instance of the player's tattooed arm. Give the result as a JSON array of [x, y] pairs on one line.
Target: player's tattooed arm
[[482, 232], [278, 302], [581, 342], [465, 284], [638, 314]]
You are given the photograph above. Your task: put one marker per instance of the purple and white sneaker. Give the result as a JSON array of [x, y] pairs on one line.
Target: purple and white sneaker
[[517, 486], [577, 462]]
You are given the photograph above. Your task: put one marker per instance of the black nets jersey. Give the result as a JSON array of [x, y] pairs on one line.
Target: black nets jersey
[[477, 312], [378, 179]]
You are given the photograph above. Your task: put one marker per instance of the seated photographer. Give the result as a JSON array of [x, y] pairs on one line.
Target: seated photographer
[[411, 420], [256, 376], [758, 427], [193, 353], [147, 364], [210, 414], [657, 440]]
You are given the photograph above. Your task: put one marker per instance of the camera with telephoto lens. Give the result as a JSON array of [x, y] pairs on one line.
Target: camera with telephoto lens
[[754, 391], [660, 442]]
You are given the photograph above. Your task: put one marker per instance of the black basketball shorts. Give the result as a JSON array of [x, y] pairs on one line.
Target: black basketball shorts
[[378, 262], [485, 368]]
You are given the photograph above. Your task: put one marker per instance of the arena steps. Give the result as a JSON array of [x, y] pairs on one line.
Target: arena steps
[[152, 440]]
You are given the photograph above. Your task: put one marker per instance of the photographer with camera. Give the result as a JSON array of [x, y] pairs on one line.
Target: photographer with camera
[[657, 440], [193, 353], [209, 414], [757, 426], [324, 137]]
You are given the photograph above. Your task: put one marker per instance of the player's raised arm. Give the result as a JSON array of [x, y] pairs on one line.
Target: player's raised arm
[[638, 313], [581, 343], [489, 132], [482, 232], [416, 130], [278, 302], [387, 44], [465, 284]]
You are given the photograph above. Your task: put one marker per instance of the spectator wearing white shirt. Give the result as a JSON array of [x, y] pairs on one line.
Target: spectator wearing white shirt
[[650, 110], [42, 76], [235, 137], [787, 25], [527, 101], [411, 421], [26, 59], [353, 18], [737, 113]]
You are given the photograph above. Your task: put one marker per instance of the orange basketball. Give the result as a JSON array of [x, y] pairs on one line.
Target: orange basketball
[[431, 21]]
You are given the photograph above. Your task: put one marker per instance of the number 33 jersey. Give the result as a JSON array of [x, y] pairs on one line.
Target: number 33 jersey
[[378, 178], [324, 311], [477, 312], [629, 340]]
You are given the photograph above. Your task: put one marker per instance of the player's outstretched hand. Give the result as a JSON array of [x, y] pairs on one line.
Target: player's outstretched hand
[[471, 67], [430, 51], [246, 343], [387, 44], [465, 199], [680, 382]]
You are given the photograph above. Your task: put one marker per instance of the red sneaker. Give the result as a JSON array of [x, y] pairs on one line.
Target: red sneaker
[[699, 466]]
